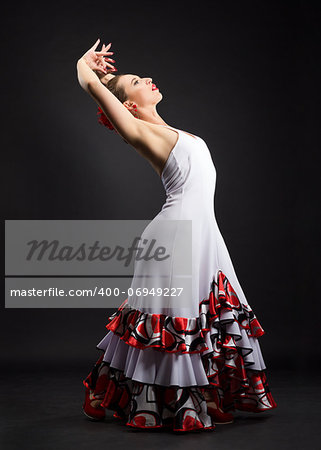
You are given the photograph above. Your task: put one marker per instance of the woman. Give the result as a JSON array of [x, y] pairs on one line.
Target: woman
[[183, 363]]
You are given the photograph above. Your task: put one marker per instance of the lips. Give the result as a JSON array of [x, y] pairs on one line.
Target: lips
[[154, 87]]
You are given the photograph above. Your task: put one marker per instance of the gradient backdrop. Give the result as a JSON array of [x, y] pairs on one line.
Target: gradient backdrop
[[243, 76]]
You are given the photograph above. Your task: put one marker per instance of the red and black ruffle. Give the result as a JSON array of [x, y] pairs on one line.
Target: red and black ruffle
[[223, 334], [148, 406], [178, 334]]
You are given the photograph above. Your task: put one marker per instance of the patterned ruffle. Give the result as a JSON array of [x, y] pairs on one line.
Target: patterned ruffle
[[147, 406], [189, 335], [237, 387], [225, 336], [182, 409]]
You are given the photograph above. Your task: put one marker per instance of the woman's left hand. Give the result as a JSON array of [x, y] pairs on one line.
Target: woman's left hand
[[97, 61]]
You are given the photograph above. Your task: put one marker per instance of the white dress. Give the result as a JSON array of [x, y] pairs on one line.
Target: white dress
[[205, 338]]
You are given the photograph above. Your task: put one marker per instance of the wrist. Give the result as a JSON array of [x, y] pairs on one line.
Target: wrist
[[103, 79], [81, 60]]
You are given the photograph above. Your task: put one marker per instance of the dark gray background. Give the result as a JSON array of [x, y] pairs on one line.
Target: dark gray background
[[243, 76]]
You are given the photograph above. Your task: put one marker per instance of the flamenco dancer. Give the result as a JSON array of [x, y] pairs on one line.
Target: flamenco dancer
[[183, 364]]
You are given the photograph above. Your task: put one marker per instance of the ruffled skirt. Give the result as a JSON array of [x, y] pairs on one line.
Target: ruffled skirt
[[158, 371]]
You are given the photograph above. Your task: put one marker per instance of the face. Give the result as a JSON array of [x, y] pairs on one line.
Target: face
[[141, 91]]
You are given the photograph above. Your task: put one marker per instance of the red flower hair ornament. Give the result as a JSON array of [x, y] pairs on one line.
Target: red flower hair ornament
[[103, 119]]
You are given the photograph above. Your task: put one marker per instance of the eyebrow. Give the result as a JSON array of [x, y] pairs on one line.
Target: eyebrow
[[135, 78]]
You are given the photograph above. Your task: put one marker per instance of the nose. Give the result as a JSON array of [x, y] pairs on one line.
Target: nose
[[149, 80]]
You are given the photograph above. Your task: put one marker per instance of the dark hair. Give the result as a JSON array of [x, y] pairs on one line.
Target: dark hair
[[113, 86], [118, 91]]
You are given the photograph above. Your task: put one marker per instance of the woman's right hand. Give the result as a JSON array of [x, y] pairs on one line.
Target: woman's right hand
[[97, 61]]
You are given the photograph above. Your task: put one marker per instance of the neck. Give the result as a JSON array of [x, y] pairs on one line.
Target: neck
[[150, 114]]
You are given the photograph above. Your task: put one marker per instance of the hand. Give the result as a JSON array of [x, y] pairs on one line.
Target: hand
[[97, 61], [106, 75]]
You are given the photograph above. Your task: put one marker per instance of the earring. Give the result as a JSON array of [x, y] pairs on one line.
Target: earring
[[135, 113]]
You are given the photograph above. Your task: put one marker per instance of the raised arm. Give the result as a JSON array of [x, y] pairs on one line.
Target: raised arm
[[123, 121]]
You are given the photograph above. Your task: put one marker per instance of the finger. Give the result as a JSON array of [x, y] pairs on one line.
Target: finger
[[101, 65], [96, 44], [104, 53], [101, 69], [109, 65], [105, 48]]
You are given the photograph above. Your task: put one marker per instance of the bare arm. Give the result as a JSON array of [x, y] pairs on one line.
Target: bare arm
[[150, 140], [123, 121]]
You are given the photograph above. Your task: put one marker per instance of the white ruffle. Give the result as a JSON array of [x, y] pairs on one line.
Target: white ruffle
[[152, 366], [171, 369]]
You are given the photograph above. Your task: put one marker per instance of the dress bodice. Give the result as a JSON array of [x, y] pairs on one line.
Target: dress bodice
[[189, 174]]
